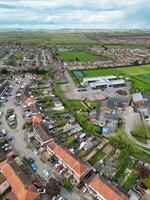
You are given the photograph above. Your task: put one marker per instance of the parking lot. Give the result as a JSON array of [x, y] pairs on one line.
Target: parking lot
[[71, 91]]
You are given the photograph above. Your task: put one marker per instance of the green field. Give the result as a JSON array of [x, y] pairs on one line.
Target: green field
[[140, 75], [48, 38], [79, 56], [97, 157], [130, 181]]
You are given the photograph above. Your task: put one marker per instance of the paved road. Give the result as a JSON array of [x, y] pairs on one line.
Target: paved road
[[131, 119], [20, 146]]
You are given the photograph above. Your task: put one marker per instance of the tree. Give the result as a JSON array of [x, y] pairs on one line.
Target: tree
[[143, 171], [53, 187]]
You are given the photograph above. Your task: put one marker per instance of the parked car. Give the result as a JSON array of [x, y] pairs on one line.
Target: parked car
[[31, 160], [46, 173], [79, 185], [34, 167], [3, 131], [8, 149], [8, 138], [54, 198], [5, 145], [41, 190], [37, 184]]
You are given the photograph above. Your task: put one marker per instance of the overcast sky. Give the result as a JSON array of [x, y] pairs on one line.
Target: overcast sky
[[54, 14]]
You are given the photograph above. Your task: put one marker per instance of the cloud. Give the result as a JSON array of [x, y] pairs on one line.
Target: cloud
[[45, 14]]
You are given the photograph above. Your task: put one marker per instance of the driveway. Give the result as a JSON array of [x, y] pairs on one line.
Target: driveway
[[19, 145]]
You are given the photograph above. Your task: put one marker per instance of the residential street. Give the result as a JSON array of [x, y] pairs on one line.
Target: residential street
[[19, 145]]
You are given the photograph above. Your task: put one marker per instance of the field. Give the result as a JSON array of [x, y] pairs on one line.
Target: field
[[79, 56], [140, 75], [48, 38]]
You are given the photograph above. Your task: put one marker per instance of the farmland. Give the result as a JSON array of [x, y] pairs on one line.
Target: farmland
[[48, 38], [140, 75], [80, 56]]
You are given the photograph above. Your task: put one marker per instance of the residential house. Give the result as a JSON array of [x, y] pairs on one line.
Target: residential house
[[114, 103], [77, 167], [21, 187], [36, 119], [2, 155], [108, 117], [41, 133], [4, 185], [144, 108], [58, 104], [35, 109], [103, 190], [29, 101], [137, 99]]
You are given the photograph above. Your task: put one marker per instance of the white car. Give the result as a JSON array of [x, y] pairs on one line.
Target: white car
[[8, 148], [41, 190], [46, 173], [3, 131]]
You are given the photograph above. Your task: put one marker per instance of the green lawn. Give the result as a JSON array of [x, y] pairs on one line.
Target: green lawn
[[97, 157], [101, 72], [130, 181], [147, 182], [80, 56]]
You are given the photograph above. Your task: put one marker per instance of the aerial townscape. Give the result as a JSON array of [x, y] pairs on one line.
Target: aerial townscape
[[74, 107]]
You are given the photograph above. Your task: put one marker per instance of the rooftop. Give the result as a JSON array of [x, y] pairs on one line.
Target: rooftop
[[68, 158], [105, 190], [137, 97], [20, 184]]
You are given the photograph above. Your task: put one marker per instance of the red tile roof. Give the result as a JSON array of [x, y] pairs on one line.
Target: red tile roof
[[30, 100], [105, 190], [20, 189], [77, 166], [37, 119]]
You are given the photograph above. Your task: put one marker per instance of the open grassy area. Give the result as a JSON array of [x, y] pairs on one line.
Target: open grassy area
[[97, 157], [140, 75], [133, 70], [130, 180], [79, 56], [48, 38]]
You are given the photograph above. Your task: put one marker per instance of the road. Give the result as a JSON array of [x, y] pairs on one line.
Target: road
[[19, 144], [131, 119]]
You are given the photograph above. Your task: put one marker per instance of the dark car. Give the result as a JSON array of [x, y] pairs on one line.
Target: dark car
[[79, 185], [37, 184]]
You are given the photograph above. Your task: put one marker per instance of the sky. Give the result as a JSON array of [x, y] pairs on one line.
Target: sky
[[72, 14]]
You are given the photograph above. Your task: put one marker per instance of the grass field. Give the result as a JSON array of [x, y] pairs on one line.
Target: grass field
[[130, 181], [97, 157], [140, 75], [48, 38], [80, 56]]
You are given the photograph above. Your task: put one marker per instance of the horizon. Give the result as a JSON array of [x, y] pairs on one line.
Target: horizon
[[78, 15]]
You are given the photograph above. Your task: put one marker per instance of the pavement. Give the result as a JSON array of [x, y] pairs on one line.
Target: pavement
[[71, 91], [19, 145]]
